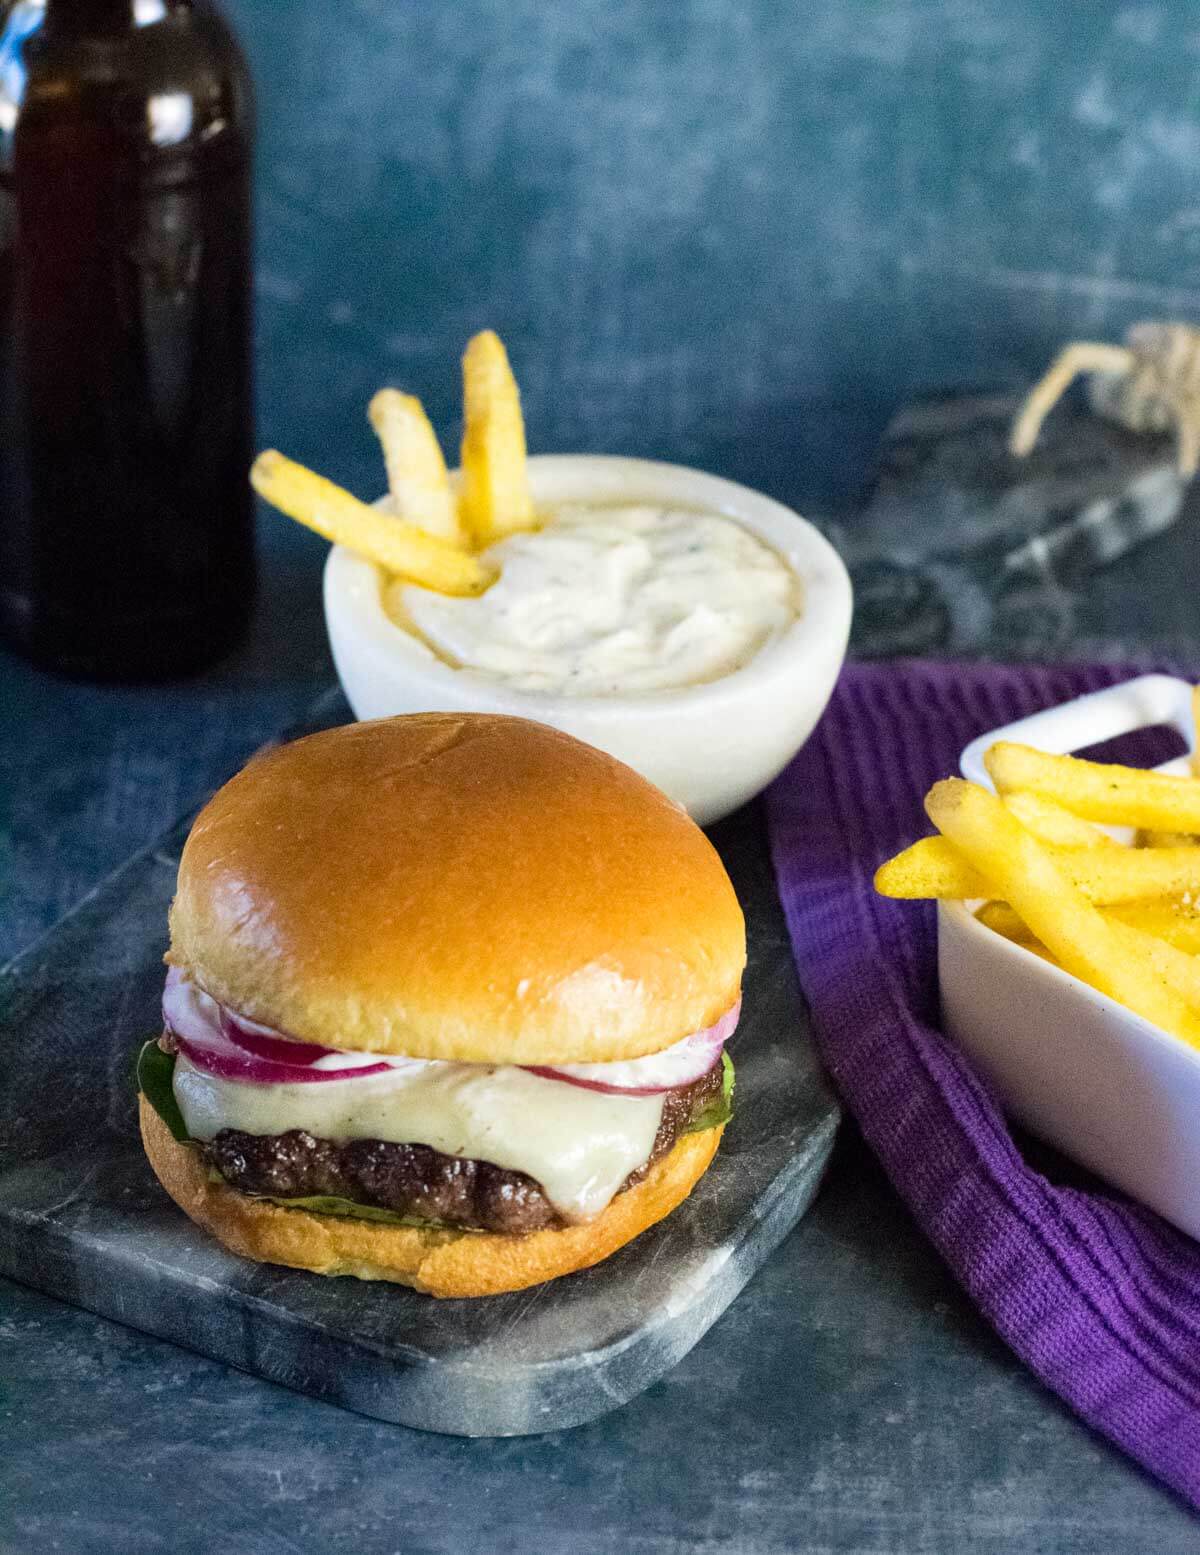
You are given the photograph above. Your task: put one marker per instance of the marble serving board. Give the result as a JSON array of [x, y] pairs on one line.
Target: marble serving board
[[82, 1217]]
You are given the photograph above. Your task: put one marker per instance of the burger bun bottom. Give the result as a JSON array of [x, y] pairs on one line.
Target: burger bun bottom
[[440, 1263]]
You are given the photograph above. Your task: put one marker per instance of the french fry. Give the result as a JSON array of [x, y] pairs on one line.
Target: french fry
[[1168, 921], [1163, 839], [495, 498], [1002, 920], [397, 546], [1028, 876], [1178, 924], [1036, 948], [1177, 969], [935, 867], [1122, 796], [417, 477], [1131, 874], [1050, 822], [930, 867], [1196, 726]]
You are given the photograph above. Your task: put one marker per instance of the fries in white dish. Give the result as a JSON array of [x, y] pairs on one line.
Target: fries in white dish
[[1123, 918]]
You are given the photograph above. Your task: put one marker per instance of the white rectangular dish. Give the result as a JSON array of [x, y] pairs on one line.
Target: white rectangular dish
[[1105, 1086]]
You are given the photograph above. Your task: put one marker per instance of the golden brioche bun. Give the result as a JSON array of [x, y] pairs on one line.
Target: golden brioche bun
[[457, 886], [441, 1263]]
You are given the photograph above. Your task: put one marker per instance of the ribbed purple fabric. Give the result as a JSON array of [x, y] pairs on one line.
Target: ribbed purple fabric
[[1096, 1294]]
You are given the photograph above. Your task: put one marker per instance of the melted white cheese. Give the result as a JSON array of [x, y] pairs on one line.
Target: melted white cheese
[[612, 600], [579, 1145]]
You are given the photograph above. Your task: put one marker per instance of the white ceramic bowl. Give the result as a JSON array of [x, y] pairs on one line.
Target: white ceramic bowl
[[1107, 1087], [711, 747]]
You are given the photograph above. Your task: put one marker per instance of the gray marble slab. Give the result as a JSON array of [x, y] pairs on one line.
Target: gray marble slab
[[962, 549], [82, 1217]]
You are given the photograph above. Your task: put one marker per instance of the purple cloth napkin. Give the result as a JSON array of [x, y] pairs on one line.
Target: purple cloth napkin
[[1098, 1295]]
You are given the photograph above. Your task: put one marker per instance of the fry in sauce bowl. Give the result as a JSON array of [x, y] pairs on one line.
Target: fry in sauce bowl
[[417, 478], [397, 546], [495, 491]]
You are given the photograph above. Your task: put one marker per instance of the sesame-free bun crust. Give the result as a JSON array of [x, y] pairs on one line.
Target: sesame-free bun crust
[[441, 1263], [457, 886]]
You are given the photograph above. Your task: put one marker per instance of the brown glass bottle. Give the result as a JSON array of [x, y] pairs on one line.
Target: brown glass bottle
[[126, 524]]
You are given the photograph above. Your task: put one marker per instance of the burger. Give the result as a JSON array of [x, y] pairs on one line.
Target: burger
[[446, 1004]]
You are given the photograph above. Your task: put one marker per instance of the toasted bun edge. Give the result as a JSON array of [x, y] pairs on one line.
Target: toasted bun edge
[[439, 1263]]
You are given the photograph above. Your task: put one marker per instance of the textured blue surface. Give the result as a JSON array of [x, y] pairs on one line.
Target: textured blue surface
[[850, 1401], [728, 232], [731, 232]]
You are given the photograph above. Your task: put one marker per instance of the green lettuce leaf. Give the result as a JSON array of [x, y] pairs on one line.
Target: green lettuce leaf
[[720, 1109], [154, 1071], [326, 1204]]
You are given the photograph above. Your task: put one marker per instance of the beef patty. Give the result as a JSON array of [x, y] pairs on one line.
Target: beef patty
[[416, 1180]]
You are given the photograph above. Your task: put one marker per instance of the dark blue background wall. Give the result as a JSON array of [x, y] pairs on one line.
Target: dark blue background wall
[[728, 232]]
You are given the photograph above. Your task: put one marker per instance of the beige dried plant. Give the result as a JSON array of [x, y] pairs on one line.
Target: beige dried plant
[[1150, 384]]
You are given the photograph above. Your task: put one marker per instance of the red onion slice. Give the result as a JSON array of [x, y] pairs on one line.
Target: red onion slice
[[234, 1049], [276, 1050], [675, 1066]]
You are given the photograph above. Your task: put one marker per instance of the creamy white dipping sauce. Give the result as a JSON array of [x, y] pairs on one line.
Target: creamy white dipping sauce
[[580, 1145], [607, 601]]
